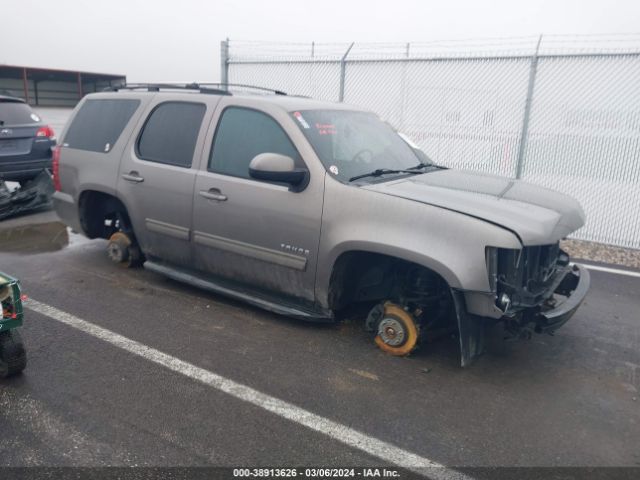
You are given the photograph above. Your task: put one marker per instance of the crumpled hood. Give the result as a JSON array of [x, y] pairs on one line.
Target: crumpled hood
[[536, 214]]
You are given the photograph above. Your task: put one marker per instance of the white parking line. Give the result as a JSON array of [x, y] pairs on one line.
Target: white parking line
[[346, 435], [617, 271]]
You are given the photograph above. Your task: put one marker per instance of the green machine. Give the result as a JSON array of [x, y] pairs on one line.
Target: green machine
[[13, 357]]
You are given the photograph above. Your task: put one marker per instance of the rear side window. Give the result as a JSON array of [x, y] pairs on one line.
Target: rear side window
[[16, 113], [99, 123], [170, 133], [242, 134]]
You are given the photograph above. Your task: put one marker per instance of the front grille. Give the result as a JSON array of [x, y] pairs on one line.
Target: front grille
[[527, 275]]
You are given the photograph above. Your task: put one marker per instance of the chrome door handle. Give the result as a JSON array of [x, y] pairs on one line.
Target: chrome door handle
[[133, 177], [213, 194]]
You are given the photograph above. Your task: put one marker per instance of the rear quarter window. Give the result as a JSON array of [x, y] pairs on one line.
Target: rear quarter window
[[16, 113], [99, 123]]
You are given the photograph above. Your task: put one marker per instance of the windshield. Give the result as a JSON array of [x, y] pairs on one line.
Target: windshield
[[352, 143]]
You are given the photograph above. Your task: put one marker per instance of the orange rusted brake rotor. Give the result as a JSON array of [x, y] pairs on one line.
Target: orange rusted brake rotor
[[397, 331]]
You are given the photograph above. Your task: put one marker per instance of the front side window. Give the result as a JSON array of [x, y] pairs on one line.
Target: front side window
[[242, 134], [99, 123], [171, 132], [352, 143]]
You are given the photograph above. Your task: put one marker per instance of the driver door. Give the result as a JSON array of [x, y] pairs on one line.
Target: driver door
[[256, 233]]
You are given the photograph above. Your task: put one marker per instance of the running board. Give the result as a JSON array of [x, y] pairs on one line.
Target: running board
[[261, 301]]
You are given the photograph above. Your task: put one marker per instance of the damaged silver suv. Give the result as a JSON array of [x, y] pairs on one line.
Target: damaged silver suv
[[307, 208]]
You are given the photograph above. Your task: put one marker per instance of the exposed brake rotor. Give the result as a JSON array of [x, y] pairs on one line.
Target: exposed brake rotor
[[397, 330]]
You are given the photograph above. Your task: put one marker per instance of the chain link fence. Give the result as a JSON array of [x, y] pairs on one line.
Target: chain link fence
[[559, 111]]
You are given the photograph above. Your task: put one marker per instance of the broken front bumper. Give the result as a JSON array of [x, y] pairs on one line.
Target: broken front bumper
[[472, 328], [574, 286]]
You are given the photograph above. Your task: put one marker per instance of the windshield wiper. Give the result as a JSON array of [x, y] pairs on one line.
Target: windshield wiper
[[423, 165], [381, 171]]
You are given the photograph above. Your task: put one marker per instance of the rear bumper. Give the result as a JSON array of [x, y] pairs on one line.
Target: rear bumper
[[574, 286], [24, 169], [66, 208]]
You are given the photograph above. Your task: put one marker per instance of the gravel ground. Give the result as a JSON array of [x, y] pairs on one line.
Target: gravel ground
[[599, 252]]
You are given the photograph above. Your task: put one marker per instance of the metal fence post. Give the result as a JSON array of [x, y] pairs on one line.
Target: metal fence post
[[533, 69], [343, 71], [403, 88], [224, 63]]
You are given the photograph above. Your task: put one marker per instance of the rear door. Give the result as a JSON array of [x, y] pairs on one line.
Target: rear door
[[157, 174]]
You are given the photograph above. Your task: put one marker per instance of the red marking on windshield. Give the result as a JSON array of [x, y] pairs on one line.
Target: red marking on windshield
[[326, 129]]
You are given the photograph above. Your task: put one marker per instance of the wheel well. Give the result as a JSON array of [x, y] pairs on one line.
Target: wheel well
[[101, 214], [360, 276]]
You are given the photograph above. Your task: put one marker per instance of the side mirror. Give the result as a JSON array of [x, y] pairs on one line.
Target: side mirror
[[274, 167]]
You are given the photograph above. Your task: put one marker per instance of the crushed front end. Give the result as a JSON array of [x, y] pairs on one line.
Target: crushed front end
[[535, 290]]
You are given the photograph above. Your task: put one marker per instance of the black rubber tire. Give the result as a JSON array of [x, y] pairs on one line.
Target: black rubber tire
[[13, 356]]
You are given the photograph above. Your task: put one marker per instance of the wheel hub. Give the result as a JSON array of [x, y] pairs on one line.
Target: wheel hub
[[391, 331], [116, 252]]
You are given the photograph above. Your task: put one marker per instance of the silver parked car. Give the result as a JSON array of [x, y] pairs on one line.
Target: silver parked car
[[306, 208]]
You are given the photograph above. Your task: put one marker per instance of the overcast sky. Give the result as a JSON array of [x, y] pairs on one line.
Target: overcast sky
[[180, 39]]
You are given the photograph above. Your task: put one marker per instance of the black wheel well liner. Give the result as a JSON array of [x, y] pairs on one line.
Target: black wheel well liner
[[359, 275], [95, 208]]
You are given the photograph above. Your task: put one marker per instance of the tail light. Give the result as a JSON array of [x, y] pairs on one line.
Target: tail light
[[46, 131], [55, 166]]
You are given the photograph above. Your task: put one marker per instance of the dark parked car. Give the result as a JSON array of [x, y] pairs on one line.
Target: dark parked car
[[25, 141]]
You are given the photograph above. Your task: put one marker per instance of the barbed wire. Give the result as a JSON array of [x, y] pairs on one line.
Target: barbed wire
[[551, 44]]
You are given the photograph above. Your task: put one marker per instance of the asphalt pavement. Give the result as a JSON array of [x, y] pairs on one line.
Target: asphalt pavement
[[568, 400]]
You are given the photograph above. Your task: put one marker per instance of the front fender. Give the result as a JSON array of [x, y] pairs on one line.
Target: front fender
[[447, 242]]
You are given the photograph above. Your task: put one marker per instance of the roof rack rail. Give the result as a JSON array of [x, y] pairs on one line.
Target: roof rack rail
[[244, 85], [156, 87], [212, 88]]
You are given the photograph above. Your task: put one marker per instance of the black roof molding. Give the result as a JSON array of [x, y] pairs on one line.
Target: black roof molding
[[210, 88]]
